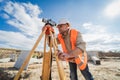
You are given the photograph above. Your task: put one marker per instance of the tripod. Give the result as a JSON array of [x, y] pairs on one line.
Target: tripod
[[47, 58]]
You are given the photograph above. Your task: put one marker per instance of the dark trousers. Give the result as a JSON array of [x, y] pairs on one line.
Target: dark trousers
[[73, 72]]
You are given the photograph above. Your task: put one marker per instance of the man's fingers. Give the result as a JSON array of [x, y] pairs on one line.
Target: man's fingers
[[73, 60], [58, 52]]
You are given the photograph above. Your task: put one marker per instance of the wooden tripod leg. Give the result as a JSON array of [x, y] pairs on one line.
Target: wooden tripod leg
[[47, 60], [59, 63], [29, 56]]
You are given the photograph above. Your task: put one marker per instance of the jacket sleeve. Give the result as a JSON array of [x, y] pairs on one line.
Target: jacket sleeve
[[80, 43]]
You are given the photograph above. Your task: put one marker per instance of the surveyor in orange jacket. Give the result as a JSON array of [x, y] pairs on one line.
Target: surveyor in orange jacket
[[74, 50]]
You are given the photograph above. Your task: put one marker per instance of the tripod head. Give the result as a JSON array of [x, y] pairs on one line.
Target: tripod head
[[49, 21], [49, 24]]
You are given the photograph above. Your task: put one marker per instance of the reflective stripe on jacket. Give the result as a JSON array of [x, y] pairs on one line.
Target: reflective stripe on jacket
[[73, 37]]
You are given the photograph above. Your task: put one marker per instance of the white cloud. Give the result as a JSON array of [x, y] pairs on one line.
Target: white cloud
[[25, 17], [6, 16], [94, 28], [33, 10], [102, 41], [112, 10], [98, 38], [9, 39], [15, 39]]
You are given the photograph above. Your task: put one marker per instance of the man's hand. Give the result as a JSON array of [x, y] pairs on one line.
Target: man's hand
[[61, 55], [48, 29], [69, 56], [65, 56]]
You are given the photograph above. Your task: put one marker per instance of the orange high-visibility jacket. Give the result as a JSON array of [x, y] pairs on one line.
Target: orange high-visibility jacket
[[73, 37]]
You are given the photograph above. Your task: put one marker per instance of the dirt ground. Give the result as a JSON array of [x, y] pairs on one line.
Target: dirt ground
[[108, 70]]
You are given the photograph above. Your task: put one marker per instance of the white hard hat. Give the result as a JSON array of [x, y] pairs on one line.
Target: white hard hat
[[63, 21]]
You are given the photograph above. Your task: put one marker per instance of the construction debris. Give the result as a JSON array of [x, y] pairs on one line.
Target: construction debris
[[95, 60], [22, 57], [94, 57]]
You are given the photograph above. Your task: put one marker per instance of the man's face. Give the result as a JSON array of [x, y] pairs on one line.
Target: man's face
[[62, 28]]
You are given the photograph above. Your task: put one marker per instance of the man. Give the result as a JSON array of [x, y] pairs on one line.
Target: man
[[73, 50]]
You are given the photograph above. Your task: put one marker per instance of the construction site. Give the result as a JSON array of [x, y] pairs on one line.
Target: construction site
[[47, 64], [103, 65]]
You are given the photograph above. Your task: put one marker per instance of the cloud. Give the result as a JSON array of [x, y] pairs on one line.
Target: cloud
[[32, 10], [102, 41], [94, 28], [98, 38], [24, 17], [5, 16], [112, 10], [15, 39]]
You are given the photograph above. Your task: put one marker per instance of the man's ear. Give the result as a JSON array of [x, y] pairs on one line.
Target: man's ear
[[68, 24]]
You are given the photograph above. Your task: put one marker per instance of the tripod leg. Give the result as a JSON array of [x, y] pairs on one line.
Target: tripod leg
[[59, 63], [47, 62], [50, 78], [29, 56]]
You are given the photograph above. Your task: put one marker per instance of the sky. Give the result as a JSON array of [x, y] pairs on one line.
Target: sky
[[97, 20]]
